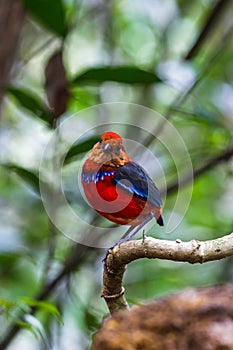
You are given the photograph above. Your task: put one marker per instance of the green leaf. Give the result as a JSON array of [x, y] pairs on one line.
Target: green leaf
[[43, 305], [9, 259], [207, 116], [25, 325], [81, 147], [91, 320], [28, 176], [7, 304], [49, 13], [6, 307], [30, 102], [120, 74]]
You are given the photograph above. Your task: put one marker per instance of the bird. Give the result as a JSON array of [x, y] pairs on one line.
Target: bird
[[118, 188]]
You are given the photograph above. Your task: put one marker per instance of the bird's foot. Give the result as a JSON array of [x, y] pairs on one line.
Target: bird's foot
[[104, 258], [128, 235], [108, 251], [144, 236]]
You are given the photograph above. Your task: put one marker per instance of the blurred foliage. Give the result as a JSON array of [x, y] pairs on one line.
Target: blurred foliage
[[128, 75], [30, 102], [42, 10], [114, 51]]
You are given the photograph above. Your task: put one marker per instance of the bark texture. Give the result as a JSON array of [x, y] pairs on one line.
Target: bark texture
[[12, 17]]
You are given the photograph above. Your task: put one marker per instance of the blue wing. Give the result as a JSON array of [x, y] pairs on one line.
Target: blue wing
[[133, 178], [96, 176]]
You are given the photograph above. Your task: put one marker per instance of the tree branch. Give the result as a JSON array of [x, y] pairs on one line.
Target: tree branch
[[152, 248], [225, 156], [210, 25], [204, 71], [12, 15]]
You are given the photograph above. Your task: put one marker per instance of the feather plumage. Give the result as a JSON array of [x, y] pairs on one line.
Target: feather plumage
[[118, 188]]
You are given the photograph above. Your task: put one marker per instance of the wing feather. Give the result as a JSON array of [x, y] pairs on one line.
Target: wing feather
[[133, 178]]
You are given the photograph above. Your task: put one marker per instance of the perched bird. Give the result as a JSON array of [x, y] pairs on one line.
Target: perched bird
[[118, 188]]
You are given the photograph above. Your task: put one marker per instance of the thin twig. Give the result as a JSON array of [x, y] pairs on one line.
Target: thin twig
[[75, 259], [38, 50], [204, 71], [209, 26], [210, 164]]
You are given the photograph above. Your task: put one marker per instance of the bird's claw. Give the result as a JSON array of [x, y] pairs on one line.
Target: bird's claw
[[104, 259], [144, 236], [109, 250]]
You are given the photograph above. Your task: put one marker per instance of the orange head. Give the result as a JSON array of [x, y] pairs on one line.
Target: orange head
[[109, 135], [109, 150]]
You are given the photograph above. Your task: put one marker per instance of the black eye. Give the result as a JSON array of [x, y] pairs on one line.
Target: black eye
[[118, 148], [108, 148]]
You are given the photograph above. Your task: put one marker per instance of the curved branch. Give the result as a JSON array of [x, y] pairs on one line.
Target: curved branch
[[152, 248]]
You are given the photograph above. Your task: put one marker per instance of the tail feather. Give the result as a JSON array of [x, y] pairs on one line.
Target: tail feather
[[160, 221]]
